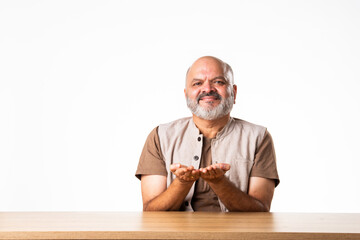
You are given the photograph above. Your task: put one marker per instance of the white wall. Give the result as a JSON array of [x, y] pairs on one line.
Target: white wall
[[82, 83]]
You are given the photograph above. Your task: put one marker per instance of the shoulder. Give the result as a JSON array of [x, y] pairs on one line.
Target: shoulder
[[248, 126], [174, 127], [249, 130], [176, 131]]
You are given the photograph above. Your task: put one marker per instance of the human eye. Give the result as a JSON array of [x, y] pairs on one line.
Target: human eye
[[197, 83], [220, 82]]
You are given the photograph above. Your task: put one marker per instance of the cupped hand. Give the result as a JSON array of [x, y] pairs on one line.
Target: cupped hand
[[185, 173], [214, 172]]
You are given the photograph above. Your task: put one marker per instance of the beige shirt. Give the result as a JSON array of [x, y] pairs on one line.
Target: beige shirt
[[204, 199]]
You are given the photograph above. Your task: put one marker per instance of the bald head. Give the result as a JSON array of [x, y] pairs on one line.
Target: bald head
[[211, 64]]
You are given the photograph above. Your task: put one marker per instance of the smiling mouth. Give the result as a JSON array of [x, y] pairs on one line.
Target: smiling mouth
[[209, 97]]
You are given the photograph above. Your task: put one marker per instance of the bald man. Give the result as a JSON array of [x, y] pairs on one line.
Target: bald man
[[210, 161]]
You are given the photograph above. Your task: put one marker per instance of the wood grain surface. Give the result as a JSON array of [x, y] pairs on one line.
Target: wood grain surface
[[178, 225]]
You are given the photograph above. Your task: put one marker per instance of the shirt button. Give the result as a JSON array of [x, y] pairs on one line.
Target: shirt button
[[196, 158], [199, 139], [186, 203]]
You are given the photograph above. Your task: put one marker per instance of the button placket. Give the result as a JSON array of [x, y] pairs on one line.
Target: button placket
[[197, 154]]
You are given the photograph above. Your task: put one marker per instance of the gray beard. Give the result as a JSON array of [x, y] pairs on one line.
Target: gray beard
[[211, 113]]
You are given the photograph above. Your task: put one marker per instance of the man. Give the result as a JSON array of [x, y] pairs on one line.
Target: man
[[210, 162]]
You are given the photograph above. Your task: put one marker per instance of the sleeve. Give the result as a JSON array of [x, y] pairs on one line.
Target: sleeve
[[151, 161], [265, 160]]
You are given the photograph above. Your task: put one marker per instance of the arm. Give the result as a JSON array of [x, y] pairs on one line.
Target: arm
[[258, 199], [157, 197]]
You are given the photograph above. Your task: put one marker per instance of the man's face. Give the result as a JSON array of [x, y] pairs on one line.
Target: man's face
[[209, 95]]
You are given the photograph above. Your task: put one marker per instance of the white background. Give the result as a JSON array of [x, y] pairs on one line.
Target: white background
[[82, 83]]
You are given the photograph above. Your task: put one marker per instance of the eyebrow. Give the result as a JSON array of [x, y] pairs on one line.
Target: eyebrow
[[218, 77]]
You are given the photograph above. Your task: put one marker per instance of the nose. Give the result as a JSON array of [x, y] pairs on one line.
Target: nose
[[207, 87]]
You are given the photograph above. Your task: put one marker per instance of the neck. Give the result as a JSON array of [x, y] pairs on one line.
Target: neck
[[209, 128]]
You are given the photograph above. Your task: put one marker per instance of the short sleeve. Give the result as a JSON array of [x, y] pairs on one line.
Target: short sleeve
[[151, 160], [265, 160]]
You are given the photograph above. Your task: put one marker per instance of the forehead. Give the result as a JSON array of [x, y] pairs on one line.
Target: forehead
[[206, 68]]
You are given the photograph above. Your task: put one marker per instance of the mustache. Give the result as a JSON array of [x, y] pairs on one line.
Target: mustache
[[212, 94]]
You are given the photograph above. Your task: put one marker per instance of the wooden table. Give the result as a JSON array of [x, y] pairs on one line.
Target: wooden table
[[177, 225]]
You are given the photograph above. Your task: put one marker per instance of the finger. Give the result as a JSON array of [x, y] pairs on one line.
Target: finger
[[194, 172], [180, 172], [210, 169], [224, 166], [174, 167], [206, 173], [187, 173]]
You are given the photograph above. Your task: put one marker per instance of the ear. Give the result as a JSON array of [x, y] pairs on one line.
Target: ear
[[235, 92], [185, 92]]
